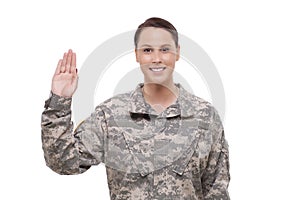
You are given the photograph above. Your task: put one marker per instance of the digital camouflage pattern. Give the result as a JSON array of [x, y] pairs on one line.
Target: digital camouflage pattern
[[179, 154]]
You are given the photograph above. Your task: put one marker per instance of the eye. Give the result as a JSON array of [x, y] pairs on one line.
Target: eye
[[165, 49], [147, 50]]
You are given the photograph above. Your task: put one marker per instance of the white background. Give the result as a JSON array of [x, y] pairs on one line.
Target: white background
[[254, 44]]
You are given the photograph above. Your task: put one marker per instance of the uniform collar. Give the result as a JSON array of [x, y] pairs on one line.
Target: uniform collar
[[183, 105]]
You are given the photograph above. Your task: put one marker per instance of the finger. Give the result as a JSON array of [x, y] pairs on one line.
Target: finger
[[73, 63], [57, 71], [63, 64], [69, 59]]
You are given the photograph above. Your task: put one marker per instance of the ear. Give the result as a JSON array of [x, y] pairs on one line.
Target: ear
[[136, 55], [178, 52]]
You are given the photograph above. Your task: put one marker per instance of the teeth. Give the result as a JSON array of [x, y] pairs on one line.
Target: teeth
[[157, 69]]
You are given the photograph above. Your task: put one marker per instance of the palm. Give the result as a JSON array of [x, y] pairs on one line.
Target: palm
[[64, 82]]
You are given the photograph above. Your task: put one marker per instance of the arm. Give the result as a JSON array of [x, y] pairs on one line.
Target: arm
[[65, 151], [216, 177]]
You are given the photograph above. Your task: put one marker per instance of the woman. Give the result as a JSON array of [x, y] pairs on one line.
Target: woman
[[157, 142]]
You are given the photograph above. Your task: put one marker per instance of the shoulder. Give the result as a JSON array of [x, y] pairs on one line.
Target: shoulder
[[117, 102], [195, 105], [199, 101]]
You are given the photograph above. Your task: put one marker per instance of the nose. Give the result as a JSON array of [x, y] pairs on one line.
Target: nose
[[156, 56]]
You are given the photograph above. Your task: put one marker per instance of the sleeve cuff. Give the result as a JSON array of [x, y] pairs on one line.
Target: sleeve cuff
[[58, 102]]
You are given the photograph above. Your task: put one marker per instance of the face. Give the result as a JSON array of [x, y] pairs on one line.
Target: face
[[157, 53]]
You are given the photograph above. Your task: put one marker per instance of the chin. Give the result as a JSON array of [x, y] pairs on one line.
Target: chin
[[156, 81]]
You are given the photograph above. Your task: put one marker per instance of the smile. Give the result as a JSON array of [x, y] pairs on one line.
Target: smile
[[157, 69]]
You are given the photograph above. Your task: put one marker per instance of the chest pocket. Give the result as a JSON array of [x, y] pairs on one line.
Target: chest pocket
[[188, 162], [192, 162], [193, 159]]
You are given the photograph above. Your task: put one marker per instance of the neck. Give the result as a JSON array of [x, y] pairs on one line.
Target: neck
[[160, 96]]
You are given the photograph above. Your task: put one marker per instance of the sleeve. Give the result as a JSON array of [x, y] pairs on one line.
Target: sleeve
[[65, 151], [216, 177]]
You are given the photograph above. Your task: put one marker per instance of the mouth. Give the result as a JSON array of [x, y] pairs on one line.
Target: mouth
[[157, 69]]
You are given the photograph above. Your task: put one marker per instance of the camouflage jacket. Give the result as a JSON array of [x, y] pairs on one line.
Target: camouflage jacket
[[180, 153]]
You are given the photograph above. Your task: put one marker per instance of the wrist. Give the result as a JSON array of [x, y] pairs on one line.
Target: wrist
[[58, 102]]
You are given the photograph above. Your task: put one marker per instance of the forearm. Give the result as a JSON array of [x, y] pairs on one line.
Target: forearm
[[59, 147]]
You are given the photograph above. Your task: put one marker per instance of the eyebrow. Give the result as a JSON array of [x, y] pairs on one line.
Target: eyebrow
[[148, 45]]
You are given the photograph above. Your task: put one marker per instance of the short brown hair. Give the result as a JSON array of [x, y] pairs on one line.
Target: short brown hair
[[157, 23]]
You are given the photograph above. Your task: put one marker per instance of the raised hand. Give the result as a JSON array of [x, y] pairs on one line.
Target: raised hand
[[65, 79]]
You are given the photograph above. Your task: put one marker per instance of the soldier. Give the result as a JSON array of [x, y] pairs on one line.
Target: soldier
[[157, 142]]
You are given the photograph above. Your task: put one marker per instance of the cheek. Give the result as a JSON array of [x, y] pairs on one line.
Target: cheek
[[169, 59], [145, 59]]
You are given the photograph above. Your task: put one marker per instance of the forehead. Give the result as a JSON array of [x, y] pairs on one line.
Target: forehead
[[155, 37]]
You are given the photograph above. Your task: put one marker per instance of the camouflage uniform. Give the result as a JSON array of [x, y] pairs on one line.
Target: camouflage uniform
[[180, 153]]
